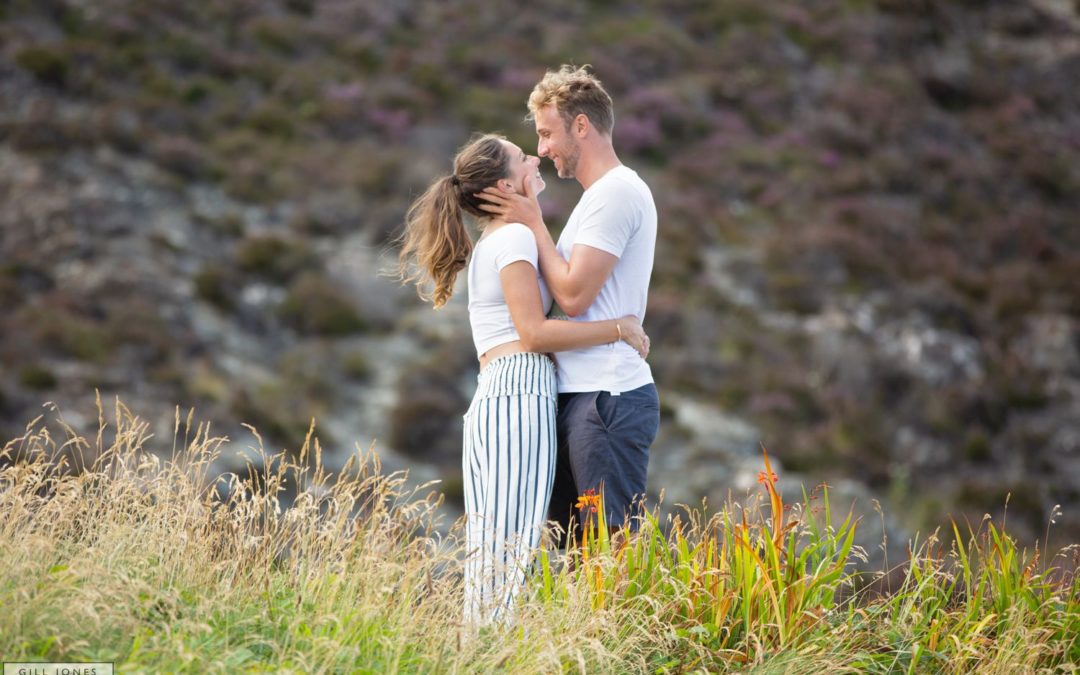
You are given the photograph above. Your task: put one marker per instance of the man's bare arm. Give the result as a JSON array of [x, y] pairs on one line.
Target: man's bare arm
[[573, 283]]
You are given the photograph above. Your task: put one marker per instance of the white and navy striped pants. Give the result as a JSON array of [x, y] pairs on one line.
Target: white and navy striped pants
[[508, 465]]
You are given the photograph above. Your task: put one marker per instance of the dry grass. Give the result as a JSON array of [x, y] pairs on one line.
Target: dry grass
[[156, 563]]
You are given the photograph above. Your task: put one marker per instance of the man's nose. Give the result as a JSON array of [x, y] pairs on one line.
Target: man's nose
[[542, 149]]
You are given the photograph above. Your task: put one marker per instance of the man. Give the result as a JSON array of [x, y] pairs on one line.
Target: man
[[609, 411]]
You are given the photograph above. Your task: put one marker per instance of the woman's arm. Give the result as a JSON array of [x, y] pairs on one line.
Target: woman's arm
[[540, 334]]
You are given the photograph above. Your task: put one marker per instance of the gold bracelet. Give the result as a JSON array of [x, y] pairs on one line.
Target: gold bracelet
[[618, 328]]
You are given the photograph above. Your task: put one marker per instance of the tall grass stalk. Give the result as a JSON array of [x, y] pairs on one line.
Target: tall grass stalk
[[109, 551]]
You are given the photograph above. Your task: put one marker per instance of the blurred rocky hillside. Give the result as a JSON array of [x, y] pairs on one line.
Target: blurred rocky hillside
[[869, 256]]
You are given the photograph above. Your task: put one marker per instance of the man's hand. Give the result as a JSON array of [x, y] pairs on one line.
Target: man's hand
[[514, 208]]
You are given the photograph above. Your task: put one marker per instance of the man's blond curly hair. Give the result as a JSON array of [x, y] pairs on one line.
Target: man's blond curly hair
[[574, 91]]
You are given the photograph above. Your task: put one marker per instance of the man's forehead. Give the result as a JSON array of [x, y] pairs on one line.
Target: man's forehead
[[546, 116]]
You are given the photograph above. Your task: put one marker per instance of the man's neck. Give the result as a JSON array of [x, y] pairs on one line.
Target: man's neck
[[594, 163]]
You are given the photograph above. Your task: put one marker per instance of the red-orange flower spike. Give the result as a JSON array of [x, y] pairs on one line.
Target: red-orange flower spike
[[768, 479]]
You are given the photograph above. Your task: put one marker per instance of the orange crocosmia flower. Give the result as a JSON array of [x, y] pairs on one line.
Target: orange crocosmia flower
[[763, 477], [589, 500]]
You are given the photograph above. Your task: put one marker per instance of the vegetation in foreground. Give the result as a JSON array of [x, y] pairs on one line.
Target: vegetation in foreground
[[108, 552]]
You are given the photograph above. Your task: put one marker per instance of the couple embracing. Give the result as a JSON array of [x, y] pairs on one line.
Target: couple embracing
[[543, 429]]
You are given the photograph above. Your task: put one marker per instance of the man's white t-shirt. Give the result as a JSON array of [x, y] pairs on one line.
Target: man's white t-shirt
[[617, 215]]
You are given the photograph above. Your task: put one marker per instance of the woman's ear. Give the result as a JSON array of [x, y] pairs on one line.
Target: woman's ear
[[506, 186]]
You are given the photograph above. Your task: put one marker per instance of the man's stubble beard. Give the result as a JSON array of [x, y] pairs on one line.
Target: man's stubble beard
[[570, 162]]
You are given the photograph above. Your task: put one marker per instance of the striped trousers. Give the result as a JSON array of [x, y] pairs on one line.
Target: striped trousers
[[508, 465]]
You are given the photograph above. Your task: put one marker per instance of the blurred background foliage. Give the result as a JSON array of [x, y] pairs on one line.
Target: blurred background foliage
[[869, 253]]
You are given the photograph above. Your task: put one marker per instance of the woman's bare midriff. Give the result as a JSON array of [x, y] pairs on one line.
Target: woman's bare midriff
[[505, 349]]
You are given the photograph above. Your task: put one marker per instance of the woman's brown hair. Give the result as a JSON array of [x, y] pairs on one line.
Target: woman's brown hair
[[435, 245]]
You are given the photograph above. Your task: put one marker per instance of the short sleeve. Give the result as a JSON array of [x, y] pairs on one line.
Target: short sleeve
[[515, 242], [610, 220]]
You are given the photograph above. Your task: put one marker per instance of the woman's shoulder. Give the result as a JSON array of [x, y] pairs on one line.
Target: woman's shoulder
[[510, 234], [510, 229]]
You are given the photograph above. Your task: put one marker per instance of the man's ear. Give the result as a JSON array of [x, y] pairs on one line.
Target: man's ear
[[581, 125]]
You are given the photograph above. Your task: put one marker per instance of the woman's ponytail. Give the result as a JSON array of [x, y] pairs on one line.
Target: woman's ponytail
[[435, 245]]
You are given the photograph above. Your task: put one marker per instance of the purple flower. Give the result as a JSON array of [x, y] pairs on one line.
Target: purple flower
[[345, 93], [639, 133]]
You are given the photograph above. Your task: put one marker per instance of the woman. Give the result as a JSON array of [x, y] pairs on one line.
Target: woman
[[509, 438]]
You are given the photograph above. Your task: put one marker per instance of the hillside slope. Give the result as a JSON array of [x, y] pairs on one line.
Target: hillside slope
[[869, 256]]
